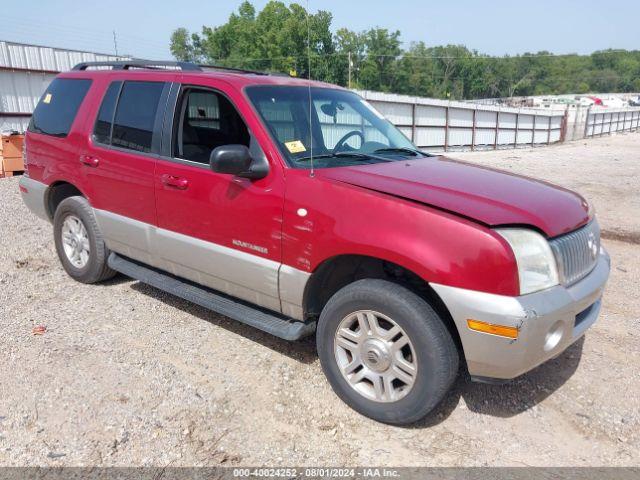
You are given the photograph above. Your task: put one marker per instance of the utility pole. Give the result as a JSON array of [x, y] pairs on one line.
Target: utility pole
[[115, 43], [349, 83]]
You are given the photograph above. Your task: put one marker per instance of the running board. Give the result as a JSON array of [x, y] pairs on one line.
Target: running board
[[280, 326]]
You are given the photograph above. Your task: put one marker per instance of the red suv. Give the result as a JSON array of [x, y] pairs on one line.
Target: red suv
[[297, 208]]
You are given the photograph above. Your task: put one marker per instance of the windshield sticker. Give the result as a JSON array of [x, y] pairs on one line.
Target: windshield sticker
[[295, 146], [372, 108], [47, 98]]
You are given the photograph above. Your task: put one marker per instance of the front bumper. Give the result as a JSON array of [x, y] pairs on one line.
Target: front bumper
[[548, 322]]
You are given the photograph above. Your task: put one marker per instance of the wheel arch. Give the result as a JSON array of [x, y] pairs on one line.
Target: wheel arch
[[57, 192], [339, 271]]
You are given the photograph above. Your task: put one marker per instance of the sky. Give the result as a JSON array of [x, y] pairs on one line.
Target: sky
[[142, 28]]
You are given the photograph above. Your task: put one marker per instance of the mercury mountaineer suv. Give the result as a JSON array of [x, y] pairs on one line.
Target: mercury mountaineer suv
[[295, 207]]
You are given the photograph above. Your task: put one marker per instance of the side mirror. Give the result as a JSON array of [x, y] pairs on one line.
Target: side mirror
[[329, 109], [230, 159]]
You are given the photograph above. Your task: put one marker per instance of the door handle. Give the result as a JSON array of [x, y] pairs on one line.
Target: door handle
[[180, 183], [89, 161]]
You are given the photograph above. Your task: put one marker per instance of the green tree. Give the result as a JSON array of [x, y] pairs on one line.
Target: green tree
[[182, 46], [382, 49], [278, 38], [287, 38], [350, 49]]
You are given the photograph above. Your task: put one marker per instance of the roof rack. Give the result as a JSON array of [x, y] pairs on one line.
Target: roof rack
[[160, 64], [233, 69], [128, 64]]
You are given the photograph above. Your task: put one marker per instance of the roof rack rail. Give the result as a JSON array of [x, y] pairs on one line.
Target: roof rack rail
[[128, 64], [160, 64], [233, 69]]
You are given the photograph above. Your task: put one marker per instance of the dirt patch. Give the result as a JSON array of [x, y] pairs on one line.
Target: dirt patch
[[627, 237]]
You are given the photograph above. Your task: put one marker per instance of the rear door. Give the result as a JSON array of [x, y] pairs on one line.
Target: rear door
[[218, 230], [118, 163], [53, 134]]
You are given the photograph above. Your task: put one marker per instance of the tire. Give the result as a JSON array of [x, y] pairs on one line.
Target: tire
[[95, 269], [431, 351]]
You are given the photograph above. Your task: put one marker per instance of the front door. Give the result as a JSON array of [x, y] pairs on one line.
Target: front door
[[218, 230]]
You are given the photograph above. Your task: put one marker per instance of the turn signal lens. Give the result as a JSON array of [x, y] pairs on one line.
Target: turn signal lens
[[500, 330]]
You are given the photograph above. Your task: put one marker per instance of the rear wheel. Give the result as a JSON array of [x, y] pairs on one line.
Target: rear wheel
[[385, 351], [79, 243]]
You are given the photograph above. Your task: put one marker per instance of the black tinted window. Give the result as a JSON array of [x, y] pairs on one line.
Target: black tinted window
[[58, 106], [102, 130], [135, 115]]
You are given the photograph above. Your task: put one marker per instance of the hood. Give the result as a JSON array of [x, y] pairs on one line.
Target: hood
[[489, 196]]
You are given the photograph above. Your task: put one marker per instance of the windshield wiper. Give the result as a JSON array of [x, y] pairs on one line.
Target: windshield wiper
[[363, 156], [411, 151]]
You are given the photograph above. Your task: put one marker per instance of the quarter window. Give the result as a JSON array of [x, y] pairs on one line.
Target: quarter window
[[58, 106], [135, 115]]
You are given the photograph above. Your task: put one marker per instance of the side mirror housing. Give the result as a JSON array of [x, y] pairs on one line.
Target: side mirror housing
[[240, 161], [230, 159]]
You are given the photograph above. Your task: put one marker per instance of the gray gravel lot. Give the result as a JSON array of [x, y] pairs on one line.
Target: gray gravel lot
[[127, 375]]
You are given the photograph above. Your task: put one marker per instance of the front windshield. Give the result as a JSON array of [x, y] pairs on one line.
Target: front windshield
[[342, 127]]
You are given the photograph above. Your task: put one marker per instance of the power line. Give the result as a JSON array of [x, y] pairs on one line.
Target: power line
[[431, 57], [104, 37], [81, 38], [75, 29]]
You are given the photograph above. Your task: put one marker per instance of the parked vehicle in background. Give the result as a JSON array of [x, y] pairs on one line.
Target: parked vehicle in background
[[596, 101], [614, 102], [297, 208]]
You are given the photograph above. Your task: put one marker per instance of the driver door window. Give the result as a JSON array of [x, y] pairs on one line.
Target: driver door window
[[207, 120]]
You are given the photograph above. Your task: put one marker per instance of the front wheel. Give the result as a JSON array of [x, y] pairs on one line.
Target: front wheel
[[385, 351]]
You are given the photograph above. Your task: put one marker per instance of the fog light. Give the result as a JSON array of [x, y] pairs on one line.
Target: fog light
[[554, 335], [500, 330]]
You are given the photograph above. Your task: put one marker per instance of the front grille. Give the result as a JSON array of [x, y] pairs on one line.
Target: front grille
[[577, 252]]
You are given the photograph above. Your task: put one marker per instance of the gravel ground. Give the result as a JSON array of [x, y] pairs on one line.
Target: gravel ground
[[127, 375]]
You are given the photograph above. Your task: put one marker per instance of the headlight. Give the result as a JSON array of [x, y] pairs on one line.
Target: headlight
[[537, 267]]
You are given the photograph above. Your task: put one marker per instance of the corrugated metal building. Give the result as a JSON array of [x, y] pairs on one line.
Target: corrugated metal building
[[25, 72]]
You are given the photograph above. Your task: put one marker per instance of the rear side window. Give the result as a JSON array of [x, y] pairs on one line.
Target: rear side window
[[58, 106], [102, 129], [135, 115]]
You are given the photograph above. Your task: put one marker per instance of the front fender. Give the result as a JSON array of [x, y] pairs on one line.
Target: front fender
[[325, 218]]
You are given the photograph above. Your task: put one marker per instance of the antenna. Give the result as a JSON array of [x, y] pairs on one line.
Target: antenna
[[312, 172]]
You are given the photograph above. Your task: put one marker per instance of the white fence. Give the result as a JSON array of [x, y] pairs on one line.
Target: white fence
[[607, 121], [449, 125]]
